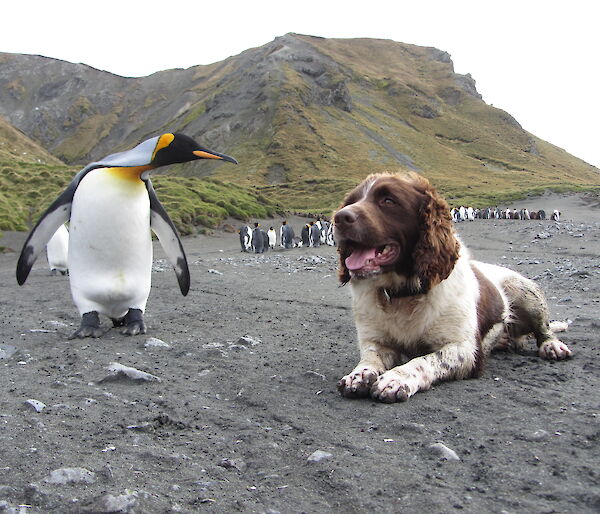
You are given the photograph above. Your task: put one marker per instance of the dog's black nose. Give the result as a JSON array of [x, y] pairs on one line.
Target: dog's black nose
[[345, 216]]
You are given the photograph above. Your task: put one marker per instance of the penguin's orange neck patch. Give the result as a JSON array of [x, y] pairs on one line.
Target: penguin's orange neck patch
[[133, 173], [163, 141]]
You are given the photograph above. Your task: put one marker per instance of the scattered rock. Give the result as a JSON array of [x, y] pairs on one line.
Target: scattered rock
[[119, 371], [543, 235], [213, 345], [538, 435], [312, 259], [7, 508], [34, 493], [318, 456], [35, 404], [237, 347], [214, 271], [6, 491], [64, 476], [236, 464], [153, 342], [142, 427], [248, 341], [110, 503], [7, 351], [417, 428], [443, 452]]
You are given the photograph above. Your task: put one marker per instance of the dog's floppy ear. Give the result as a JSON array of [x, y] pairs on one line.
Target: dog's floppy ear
[[437, 248]]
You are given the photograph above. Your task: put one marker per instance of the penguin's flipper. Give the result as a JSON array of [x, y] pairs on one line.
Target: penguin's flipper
[[58, 213], [163, 227]]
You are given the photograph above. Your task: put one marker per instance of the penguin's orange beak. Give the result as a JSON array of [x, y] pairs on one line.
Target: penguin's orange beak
[[210, 155]]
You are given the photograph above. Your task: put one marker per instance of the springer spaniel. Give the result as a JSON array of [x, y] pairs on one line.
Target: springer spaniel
[[424, 311]]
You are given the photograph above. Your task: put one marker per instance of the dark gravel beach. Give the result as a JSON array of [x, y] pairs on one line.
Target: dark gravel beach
[[237, 409]]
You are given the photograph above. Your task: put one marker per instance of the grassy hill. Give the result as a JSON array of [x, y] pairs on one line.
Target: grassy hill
[[27, 189], [306, 117], [17, 147], [28, 173]]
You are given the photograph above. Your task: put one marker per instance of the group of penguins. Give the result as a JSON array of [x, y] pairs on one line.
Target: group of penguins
[[489, 213], [313, 234], [111, 208]]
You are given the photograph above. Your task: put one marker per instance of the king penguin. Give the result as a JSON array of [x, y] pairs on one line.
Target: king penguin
[[111, 207]]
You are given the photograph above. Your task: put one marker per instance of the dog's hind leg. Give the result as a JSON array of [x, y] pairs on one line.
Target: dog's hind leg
[[529, 314]]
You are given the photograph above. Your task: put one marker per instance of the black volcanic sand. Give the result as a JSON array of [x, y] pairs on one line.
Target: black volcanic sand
[[231, 423]]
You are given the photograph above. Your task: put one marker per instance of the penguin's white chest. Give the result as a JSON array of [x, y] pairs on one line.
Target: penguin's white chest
[[110, 244]]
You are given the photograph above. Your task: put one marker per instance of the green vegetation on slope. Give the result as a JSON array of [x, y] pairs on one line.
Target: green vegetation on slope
[[16, 146], [26, 190], [193, 202]]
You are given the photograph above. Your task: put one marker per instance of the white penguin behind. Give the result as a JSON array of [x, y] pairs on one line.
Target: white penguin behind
[[111, 207], [272, 235], [57, 251]]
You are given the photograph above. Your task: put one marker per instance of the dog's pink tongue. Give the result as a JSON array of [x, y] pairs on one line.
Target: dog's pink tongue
[[358, 258]]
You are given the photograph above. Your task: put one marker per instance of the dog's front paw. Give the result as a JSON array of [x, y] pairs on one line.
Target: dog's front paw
[[554, 349], [358, 383], [392, 387]]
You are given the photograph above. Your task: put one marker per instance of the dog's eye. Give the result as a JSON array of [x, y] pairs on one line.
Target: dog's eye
[[388, 201]]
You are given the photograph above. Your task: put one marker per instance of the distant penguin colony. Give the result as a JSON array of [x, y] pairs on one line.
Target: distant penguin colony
[[111, 206]]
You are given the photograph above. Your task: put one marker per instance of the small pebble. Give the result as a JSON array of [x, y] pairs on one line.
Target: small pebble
[[248, 341], [155, 342], [538, 435], [318, 456], [64, 476], [118, 371], [7, 351], [442, 451], [35, 404]]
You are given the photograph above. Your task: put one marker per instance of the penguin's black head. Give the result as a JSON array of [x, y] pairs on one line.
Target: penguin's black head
[[176, 148]]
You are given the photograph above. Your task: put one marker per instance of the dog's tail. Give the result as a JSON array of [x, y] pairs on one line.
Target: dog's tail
[[560, 326]]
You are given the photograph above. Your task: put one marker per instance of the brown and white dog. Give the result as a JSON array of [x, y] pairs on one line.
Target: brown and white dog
[[424, 311]]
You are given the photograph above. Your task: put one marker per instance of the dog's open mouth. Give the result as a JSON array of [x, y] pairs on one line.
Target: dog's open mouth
[[365, 261]]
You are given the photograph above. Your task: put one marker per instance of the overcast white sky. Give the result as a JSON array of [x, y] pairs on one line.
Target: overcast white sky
[[538, 60]]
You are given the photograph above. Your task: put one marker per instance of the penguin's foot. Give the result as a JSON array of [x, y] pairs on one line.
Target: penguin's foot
[[90, 326], [133, 323]]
